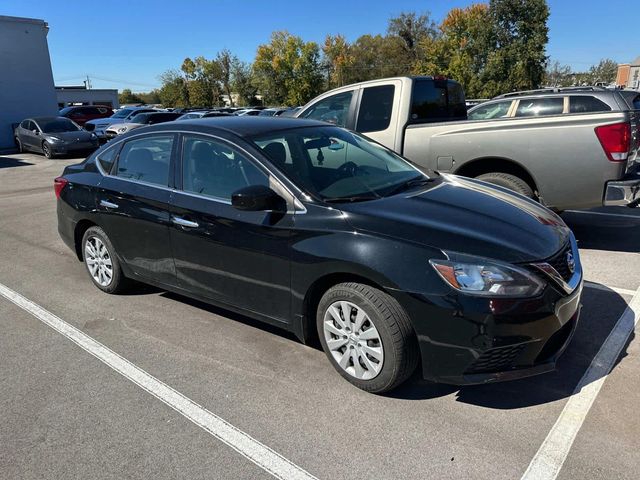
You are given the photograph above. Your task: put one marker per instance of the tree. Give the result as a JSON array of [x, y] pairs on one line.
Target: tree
[[225, 61], [174, 91], [203, 81], [127, 97], [558, 75], [517, 58], [337, 57], [376, 57], [412, 29], [243, 84], [151, 97], [605, 71], [287, 69]]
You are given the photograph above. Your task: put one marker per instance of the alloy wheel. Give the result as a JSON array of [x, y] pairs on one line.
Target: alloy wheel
[[46, 150], [98, 261], [353, 340]]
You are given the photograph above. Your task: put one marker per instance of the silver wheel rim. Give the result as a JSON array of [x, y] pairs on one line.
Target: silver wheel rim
[[353, 340], [98, 261]]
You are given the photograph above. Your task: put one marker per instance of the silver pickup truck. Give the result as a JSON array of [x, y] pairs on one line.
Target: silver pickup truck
[[570, 149]]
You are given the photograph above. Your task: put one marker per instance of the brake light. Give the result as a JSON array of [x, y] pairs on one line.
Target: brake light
[[615, 140], [58, 184]]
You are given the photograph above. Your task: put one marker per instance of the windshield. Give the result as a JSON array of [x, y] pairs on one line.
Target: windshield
[[337, 165], [122, 113], [58, 125], [141, 118], [65, 110]]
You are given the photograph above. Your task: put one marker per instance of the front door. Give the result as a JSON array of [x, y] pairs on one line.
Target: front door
[[235, 257], [134, 206]]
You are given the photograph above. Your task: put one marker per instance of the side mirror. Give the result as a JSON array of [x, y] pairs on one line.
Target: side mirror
[[257, 198], [35, 131]]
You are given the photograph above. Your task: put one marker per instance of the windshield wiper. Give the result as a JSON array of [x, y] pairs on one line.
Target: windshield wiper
[[414, 182], [351, 199]]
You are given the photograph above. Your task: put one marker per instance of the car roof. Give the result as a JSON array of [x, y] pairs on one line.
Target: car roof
[[246, 126], [44, 119]]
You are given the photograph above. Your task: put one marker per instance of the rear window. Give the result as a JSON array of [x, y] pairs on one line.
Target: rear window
[[437, 100], [375, 108], [536, 107], [585, 104], [632, 98]]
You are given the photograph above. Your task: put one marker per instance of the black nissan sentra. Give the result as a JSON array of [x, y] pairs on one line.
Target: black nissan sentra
[[322, 232]]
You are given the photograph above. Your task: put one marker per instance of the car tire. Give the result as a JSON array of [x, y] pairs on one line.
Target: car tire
[[509, 181], [19, 145], [102, 262], [46, 150], [376, 348]]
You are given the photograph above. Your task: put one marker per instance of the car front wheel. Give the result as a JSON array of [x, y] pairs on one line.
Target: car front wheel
[[101, 262], [367, 336], [46, 150]]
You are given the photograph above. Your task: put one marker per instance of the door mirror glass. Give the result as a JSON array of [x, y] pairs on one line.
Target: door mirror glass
[[35, 131], [258, 198]]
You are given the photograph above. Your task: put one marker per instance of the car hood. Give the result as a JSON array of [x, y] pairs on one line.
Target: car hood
[[81, 135], [130, 126], [105, 122], [466, 216]]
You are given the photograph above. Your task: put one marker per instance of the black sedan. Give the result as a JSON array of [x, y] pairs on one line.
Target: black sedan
[[53, 136], [325, 233]]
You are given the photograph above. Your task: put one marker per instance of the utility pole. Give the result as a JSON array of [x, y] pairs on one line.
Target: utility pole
[[87, 83]]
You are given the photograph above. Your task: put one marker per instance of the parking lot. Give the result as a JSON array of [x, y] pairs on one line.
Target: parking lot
[[67, 414]]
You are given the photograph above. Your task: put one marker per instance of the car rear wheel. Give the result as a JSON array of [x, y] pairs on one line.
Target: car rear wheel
[[509, 181], [101, 262], [367, 336], [46, 150]]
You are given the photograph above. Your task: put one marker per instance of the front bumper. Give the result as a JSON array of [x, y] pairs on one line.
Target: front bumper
[[623, 192], [64, 148]]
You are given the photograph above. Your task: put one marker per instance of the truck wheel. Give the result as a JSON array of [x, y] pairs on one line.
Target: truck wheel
[[509, 181], [367, 336]]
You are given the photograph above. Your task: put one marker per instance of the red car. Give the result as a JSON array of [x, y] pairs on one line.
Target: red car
[[83, 113]]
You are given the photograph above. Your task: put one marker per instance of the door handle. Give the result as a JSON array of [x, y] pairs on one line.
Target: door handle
[[184, 222], [106, 203]]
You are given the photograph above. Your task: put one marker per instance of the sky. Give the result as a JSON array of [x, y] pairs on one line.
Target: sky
[[128, 44]]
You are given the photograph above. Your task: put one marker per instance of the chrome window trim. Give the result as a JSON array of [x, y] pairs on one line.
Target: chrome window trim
[[299, 207], [553, 274]]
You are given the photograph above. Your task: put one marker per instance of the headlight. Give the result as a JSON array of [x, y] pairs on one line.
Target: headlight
[[54, 139], [480, 276], [93, 136], [122, 129]]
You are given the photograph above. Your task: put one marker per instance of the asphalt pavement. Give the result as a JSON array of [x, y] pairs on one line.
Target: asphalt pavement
[[68, 413]]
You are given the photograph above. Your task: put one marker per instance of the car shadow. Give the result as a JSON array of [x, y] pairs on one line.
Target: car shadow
[[9, 162], [619, 232], [600, 313]]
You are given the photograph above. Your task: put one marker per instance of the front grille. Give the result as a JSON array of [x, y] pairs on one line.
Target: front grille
[[557, 341], [559, 262], [496, 359]]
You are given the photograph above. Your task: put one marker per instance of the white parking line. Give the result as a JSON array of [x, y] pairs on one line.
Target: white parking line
[[553, 452], [252, 449], [606, 288]]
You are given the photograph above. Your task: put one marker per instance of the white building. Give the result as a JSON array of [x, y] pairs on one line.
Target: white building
[[80, 95], [26, 80]]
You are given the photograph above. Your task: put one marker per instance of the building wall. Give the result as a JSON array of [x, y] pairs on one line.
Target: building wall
[[87, 97], [26, 80], [634, 77], [623, 74]]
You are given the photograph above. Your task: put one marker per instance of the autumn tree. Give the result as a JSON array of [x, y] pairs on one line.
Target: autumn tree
[[558, 75], [127, 97], [337, 57], [288, 70], [412, 29], [605, 71], [174, 91]]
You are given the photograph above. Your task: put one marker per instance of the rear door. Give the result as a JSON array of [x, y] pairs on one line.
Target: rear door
[[235, 257], [27, 136], [133, 204], [378, 112]]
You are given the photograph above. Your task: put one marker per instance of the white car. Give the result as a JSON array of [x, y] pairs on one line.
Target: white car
[[140, 120]]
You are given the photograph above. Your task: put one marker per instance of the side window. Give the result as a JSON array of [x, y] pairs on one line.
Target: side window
[[213, 169], [106, 159], [146, 159], [536, 107], [490, 111], [25, 124], [333, 109], [583, 104], [376, 107]]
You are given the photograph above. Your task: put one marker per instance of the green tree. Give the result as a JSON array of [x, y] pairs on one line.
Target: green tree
[[558, 75], [412, 29], [517, 58], [376, 57], [337, 56], [226, 61], [203, 81], [605, 71], [243, 84], [174, 92], [151, 97], [287, 69], [127, 97]]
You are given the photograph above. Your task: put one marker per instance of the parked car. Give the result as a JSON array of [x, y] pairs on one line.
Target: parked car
[[53, 136], [250, 112], [216, 113], [124, 115], [321, 231], [81, 114], [192, 115], [273, 112], [140, 120], [571, 149], [291, 112]]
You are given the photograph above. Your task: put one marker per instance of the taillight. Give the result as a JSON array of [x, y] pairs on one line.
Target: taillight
[[58, 184], [615, 140]]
